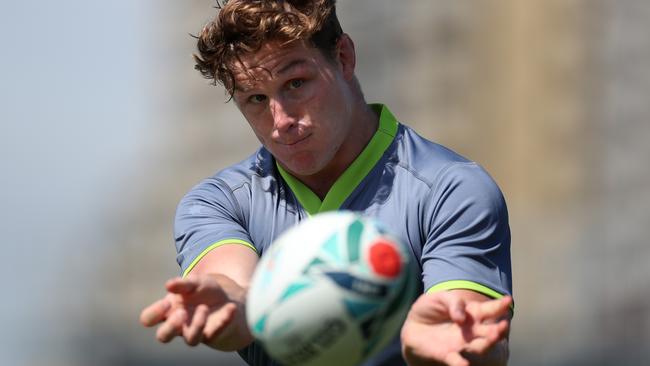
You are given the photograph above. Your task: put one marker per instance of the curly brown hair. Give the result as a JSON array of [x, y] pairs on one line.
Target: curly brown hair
[[243, 26]]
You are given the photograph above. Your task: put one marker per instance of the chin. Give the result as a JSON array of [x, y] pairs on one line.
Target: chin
[[303, 171], [303, 167]]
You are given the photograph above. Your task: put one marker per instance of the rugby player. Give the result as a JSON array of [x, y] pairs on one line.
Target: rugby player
[[290, 70]]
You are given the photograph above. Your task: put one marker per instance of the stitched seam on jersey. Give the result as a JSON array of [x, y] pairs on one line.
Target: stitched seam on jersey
[[214, 246], [497, 202], [448, 167], [471, 164], [438, 179], [414, 174], [231, 193], [240, 186]]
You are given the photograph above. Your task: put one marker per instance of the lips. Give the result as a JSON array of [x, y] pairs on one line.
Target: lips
[[295, 142]]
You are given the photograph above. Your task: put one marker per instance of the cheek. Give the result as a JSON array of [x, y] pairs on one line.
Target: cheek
[[260, 127], [263, 137], [338, 128], [260, 138]]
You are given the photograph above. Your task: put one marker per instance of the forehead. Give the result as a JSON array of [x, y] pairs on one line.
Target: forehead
[[272, 60]]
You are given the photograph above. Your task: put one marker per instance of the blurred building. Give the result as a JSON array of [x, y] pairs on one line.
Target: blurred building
[[551, 96]]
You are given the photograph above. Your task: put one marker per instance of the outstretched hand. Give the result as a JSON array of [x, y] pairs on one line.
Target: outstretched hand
[[450, 328], [206, 308]]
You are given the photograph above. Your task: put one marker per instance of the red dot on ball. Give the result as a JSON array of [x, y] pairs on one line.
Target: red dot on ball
[[384, 259]]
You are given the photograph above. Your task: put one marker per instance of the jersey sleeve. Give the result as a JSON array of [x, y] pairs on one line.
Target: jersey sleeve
[[467, 234], [206, 218]]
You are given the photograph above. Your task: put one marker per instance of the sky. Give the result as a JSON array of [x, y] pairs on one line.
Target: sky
[[73, 118]]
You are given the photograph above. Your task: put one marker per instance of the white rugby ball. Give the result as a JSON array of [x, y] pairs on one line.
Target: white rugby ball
[[333, 290]]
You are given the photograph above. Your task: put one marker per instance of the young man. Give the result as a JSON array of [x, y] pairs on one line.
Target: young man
[[290, 70]]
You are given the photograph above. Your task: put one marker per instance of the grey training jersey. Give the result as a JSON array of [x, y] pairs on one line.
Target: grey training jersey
[[446, 208]]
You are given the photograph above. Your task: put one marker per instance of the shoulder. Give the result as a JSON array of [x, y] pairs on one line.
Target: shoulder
[[424, 158], [465, 194], [237, 177], [446, 173]]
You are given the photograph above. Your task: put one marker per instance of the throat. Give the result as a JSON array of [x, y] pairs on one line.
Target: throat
[[320, 184]]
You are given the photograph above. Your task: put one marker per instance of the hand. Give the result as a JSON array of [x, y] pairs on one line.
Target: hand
[[453, 327], [206, 308]]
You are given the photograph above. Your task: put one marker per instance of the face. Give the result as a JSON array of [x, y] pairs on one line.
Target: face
[[299, 104]]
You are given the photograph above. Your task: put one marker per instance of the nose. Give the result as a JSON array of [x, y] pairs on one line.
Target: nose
[[284, 116]]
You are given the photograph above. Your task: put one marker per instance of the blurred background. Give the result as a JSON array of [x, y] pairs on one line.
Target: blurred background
[[104, 125]]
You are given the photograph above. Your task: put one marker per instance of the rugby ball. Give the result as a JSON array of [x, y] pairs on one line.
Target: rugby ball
[[333, 290]]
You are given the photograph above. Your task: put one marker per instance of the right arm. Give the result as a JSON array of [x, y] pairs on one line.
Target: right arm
[[208, 305]]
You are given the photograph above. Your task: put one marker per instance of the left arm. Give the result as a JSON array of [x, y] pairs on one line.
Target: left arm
[[467, 253], [457, 328]]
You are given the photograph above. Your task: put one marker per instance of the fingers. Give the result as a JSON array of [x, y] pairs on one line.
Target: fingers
[[438, 307], [182, 286], [196, 325], [486, 336], [490, 310], [454, 305], [185, 311], [219, 320], [172, 327], [455, 359], [491, 331], [193, 333], [481, 344], [478, 346], [155, 313]]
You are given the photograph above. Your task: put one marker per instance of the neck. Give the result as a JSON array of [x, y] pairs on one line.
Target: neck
[[364, 125]]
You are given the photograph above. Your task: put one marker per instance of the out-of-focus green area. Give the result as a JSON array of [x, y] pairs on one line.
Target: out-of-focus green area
[[105, 125]]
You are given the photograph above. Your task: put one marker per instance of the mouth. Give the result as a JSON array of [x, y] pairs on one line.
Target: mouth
[[295, 142]]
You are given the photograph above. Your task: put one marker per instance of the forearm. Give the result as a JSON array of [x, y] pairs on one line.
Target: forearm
[[231, 267]]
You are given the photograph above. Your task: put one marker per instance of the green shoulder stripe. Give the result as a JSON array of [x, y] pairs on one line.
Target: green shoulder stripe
[[216, 245], [467, 285]]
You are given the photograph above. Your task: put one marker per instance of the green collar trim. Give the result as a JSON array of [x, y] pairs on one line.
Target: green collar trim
[[353, 175]]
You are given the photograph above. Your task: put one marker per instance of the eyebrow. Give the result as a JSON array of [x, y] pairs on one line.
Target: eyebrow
[[285, 69], [291, 65]]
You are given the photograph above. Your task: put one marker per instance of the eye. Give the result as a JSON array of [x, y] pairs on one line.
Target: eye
[[257, 98], [295, 83]]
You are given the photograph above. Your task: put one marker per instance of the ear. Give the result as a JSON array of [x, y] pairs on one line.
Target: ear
[[346, 55]]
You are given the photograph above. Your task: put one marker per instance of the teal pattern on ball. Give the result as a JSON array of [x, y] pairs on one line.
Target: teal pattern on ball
[[354, 240]]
